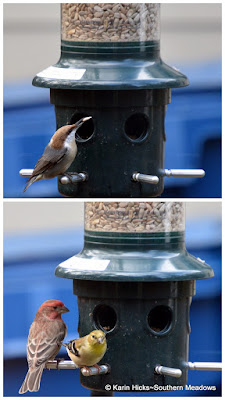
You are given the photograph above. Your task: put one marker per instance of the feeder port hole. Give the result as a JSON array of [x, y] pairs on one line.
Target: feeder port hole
[[137, 127], [86, 132], [160, 319], [105, 317]]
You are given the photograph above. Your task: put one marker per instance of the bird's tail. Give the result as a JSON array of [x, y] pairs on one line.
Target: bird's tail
[[32, 380], [31, 180]]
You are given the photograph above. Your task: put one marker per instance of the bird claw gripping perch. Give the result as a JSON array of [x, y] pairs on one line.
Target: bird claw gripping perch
[[70, 175], [58, 360], [73, 177], [95, 370]]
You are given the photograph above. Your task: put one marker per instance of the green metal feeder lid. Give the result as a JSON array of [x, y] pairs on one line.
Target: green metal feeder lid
[[156, 257], [110, 66]]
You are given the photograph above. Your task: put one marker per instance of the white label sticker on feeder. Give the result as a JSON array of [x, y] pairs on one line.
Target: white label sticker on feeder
[[86, 264], [62, 73]]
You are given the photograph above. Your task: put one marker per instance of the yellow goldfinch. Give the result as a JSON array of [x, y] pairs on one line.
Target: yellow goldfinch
[[88, 350]]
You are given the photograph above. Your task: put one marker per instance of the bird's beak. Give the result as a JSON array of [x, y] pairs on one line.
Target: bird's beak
[[81, 121], [64, 309], [101, 340]]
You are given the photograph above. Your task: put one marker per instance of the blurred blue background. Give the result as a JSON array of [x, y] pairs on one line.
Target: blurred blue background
[[38, 236], [190, 39]]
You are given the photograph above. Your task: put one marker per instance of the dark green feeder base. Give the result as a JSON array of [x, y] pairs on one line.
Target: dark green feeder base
[[126, 135], [147, 324], [138, 288], [125, 87]]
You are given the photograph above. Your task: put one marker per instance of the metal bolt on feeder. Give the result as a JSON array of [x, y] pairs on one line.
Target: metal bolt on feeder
[[135, 280], [110, 68]]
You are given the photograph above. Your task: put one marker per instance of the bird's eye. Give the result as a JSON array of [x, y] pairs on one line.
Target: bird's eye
[[93, 336], [55, 308]]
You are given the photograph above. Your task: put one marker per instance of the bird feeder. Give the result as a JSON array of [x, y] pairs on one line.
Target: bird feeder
[[110, 68], [135, 280]]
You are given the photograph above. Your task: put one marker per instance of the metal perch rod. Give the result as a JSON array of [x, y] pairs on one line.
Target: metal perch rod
[[205, 366], [26, 172], [101, 370], [73, 178], [176, 173], [145, 178], [56, 364], [86, 371], [175, 372], [199, 366], [184, 173]]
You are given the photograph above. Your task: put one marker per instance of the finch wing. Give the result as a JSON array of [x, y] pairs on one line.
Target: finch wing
[[75, 345], [49, 158], [45, 344], [79, 343]]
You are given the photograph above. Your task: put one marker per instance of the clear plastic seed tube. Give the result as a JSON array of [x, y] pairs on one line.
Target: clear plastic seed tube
[[105, 22], [134, 216]]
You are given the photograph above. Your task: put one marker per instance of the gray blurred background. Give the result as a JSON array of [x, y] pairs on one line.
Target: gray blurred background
[[23, 217], [190, 33]]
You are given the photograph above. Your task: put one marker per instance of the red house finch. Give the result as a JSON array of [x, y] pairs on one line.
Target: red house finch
[[44, 341]]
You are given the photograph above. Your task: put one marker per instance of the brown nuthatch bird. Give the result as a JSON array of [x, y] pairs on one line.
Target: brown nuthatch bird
[[58, 155]]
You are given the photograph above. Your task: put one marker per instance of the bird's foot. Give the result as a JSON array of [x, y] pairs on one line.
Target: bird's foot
[[86, 371], [89, 371], [70, 176], [98, 368], [58, 360]]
